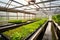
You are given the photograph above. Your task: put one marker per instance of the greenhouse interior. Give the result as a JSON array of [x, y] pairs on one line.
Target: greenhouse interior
[[29, 19]]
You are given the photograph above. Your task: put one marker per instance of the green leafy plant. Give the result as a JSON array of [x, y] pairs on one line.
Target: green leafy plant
[[15, 21], [56, 18], [22, 32]]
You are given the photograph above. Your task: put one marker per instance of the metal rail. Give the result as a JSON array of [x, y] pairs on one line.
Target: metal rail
[[5, 28], [57, 31]]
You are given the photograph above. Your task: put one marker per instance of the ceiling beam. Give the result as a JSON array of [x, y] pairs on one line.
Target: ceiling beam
[[33, 4], [18, 2], [6, 3], [14, 10], [51, 6], [44, 7]]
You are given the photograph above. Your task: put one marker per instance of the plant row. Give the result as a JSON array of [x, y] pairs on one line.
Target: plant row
[[22, 32], [56, 18]]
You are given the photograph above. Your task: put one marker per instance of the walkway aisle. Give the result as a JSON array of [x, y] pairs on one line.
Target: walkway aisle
[[48, 34]]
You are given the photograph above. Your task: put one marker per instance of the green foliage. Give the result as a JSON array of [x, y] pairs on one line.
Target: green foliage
[[19, 21], [22, 32], [36, 19], [24, 20], [2, 18], [56, 18], [15, 21]]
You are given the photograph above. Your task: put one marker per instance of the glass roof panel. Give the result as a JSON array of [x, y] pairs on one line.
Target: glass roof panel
[[26, 8], [22, 1], [2, 5], [55, 3], [47, 4], [32, 6], [19, 8], [11, 6], [4, 1], [15, 4], [44, 0], [38, 1], [41, 5]]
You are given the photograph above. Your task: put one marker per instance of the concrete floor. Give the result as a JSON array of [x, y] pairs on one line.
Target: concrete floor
[[48, 34]]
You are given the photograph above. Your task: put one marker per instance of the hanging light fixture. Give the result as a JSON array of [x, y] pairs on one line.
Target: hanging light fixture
[[30, 1]]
